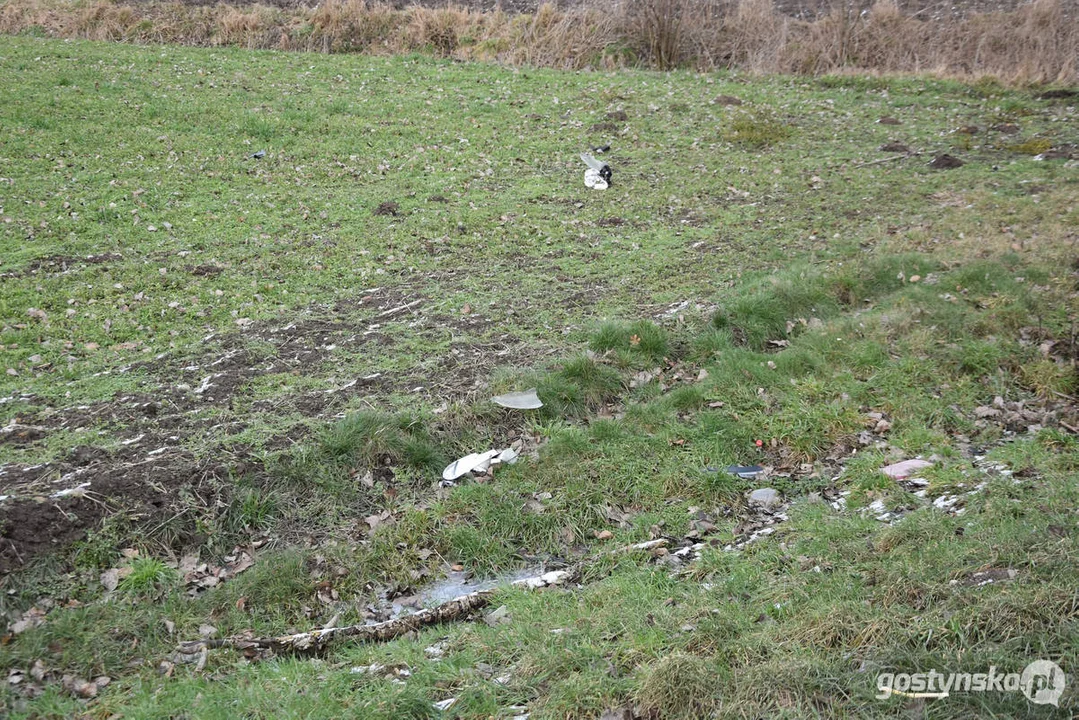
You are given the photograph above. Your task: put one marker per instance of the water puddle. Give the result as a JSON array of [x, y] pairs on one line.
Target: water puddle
[[454, 585]]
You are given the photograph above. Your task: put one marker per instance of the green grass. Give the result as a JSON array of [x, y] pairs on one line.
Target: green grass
[[746, 292]]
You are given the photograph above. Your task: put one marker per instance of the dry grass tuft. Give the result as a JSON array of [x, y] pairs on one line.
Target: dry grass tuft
[[1036, 43], [680, 686]]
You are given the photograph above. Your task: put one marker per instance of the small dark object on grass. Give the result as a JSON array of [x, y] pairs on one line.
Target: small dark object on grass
[[1058, 95], [259, 155], [388, 208], [727, 100], [894, 147], [888, 120], [601, 149], [746, 472], [945, 162]]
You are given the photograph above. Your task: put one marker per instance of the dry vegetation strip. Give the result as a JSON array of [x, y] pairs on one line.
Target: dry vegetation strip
[[1037, 42]]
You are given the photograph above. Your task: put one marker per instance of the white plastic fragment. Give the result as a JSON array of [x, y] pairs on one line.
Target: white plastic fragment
[[507, 456], [555, 577], [593, 180], [468, 463], [78, 490], [900, 470], [519, 400]]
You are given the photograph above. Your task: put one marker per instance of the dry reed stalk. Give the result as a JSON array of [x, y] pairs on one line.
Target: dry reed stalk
[[1036, 43]]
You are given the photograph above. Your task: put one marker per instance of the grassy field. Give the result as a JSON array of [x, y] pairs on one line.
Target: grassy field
[[260, 365]]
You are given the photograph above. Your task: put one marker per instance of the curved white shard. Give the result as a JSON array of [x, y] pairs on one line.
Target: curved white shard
[[507, 456], [520, 400], [465, 465]]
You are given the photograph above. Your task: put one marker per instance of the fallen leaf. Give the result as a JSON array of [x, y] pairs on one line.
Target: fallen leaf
[[79, 687], [244, 562]]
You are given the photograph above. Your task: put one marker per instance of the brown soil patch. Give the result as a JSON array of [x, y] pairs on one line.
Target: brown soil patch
[[60, 264], [388, 208], [894, 147], [945, 162], [145, 490]]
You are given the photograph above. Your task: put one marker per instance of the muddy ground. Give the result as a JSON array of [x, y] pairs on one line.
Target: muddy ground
[[147, 473]]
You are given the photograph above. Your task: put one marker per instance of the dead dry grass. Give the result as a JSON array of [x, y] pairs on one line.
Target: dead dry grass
[[1036, 43]]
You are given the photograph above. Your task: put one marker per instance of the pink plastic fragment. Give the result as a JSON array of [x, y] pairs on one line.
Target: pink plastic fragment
[[904, 469]]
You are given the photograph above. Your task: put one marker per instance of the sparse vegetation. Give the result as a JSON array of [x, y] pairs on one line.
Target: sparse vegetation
[[148, 576], [261, 379]]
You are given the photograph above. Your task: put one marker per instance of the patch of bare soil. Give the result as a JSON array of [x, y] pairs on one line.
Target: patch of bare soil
[[57, 504], [151, 481], [62, 264]]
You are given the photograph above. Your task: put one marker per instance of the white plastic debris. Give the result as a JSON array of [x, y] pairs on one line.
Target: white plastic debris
[[465, 465], [507, 456], [598, 174], [555, 577], [900, 470], [372, 669], [766, 498], [593, 180], [520, 400], [78, 491]]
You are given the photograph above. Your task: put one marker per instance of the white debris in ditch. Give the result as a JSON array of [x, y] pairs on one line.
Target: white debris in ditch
[[555, 577], [77, 491]]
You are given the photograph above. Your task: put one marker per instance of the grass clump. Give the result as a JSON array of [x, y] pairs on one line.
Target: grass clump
[[148, 576], [861, 281], [777, 307], [1049, 379], [679, 687], [1034, 146], [755, 132], [581, 384], [641, 340], [373, 437], [251, 510]]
